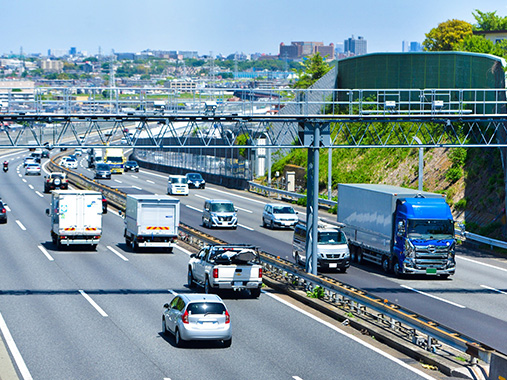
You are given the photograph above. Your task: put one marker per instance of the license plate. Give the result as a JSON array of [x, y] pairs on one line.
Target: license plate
[[333, 265], [237, 284], [431, 270]]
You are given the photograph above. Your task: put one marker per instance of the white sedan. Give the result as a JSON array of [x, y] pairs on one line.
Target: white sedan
[[33, 169]]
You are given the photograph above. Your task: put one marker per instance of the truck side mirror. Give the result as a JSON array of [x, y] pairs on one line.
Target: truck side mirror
[[193, 255], [47, 212], [401, 228]]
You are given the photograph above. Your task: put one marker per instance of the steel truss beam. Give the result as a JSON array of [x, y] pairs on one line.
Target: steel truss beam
[[196, 131]]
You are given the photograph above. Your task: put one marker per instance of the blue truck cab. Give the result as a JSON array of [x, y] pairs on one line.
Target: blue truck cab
[[424, 237]]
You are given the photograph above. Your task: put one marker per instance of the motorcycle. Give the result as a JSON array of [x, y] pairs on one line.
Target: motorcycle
[[6, 168]]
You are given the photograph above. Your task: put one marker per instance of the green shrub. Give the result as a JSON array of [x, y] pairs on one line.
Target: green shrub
[[318, 292], [461, 205], [453, 174]]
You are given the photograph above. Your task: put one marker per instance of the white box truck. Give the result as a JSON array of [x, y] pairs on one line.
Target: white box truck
[[151, 221], [76, 217]]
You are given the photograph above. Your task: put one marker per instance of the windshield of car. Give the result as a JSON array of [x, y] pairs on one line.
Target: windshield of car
[[331, 237], [206, 308], [178, 180], [33, 166], [71, 160], [194, 177], [430, 229], [222, 207], [103, 167], [283, 210]]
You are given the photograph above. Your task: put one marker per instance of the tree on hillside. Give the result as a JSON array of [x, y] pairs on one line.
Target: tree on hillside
[[487, 21], [447, 35], [313, 69]]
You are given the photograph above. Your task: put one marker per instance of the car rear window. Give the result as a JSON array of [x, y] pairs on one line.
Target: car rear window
[[206, 308]]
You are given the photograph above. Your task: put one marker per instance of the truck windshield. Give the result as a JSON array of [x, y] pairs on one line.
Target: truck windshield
[[331, 237], [115, 159], [430, 229], [222, 207]]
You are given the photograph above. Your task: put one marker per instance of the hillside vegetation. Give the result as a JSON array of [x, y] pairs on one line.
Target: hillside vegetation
[[471, 179]]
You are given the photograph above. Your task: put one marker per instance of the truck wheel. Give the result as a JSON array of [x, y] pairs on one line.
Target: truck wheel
[[135, 246], [94, 247], [255, 293], [207, 286], [190, 280], [396, 269], [353, 254], [386, 264], [360, 256]]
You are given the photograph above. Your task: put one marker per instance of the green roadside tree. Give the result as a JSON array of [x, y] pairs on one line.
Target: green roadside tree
[[447, 35], [487, 21], [313, 69]]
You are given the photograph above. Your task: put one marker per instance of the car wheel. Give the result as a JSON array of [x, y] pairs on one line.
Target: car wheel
[[342, 270], [227, 343], [177, 338], [263, 223], [190, 280], [207, 286], [164, 327], [255, 293], [272, 225]]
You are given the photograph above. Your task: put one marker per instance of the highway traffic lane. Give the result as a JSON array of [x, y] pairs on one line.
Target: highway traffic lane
[[402, 292]]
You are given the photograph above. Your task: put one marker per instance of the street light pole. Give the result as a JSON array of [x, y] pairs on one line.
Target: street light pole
[[421, 162]]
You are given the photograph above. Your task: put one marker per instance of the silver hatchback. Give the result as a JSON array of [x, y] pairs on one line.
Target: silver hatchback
[[196, 316]]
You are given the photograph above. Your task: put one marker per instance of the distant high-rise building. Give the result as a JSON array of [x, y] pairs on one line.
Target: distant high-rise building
[[72, 51], [411, 47], [300, 49], [355, 46]]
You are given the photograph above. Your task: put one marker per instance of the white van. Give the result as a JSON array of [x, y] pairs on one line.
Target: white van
[[177, 185], [332, 246]]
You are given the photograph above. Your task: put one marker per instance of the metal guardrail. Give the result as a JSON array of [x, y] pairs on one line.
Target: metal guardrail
[[419, 330], [266, 190]]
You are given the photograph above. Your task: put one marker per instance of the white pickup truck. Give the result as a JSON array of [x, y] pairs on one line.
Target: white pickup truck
[[234, 266]]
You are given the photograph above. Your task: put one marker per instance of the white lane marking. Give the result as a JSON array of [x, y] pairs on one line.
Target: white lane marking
[[23, 369], [193, 208], [21, 225], [248, 228], [19, 175], [201, 196], [156, 175], [149, 181], [237, 196], [39, 194], [46, 253], [172, 292], [478, 262], [7, 208], [31, 187], [296, 378], [117, 253], [93, 303], [435, 297], [116, 180], [137, 187], [356, 339], [183, 250], [494, 289], [24, 180], [134, 176]]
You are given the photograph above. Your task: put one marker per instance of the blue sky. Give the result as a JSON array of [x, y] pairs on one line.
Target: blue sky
[[222, 26]]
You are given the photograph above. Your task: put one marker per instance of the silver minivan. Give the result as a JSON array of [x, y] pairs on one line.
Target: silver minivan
[[279, 215], [219, 213], [332, 246]]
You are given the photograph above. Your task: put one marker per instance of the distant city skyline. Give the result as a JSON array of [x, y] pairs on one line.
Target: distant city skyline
[[222, 26]]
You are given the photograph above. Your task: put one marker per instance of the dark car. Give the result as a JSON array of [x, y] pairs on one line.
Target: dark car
[[131, 165], [3, 212], [45, 153], [102, 171], [196, 181]]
